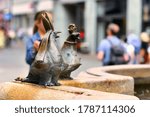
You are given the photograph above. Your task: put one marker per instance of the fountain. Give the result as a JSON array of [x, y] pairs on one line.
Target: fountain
[[52, 64], [111, 82]]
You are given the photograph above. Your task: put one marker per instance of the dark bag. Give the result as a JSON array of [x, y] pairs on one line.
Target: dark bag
[[116, 54]]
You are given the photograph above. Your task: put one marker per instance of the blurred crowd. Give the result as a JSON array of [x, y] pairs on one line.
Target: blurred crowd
[[136, 48], [7, 36]]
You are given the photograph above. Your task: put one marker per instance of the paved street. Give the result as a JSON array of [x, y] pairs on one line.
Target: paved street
[[12, 62]]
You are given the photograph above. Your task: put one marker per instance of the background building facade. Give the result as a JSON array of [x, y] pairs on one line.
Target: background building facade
[[94, 15], [90, 15], [23, 12]]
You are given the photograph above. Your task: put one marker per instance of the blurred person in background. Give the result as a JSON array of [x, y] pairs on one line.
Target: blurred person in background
[[148, 51], [20, 33], [104, 50], [135, 41], [38, 33], [144, 47], [79, 43], [2, 37], [130, 51], [82, 45], [10, 36]]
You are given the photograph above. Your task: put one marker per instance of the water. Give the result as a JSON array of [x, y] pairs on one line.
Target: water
[[142, 91]]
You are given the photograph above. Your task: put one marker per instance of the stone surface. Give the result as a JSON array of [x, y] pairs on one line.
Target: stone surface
[[103, 82], [128, 70], [116, 79], [26, 91], [140, 73]]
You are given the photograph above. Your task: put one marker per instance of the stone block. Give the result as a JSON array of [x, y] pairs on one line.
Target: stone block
[[27, 91], [103, 82]]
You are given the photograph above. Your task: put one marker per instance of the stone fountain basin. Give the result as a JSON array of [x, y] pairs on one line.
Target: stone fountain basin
[[116, 79], [111, 82]]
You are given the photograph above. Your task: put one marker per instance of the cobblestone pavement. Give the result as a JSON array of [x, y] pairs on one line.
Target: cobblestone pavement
[[12, 62]]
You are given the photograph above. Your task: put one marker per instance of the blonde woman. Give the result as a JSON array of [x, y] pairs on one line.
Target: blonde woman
[[39, 31]]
